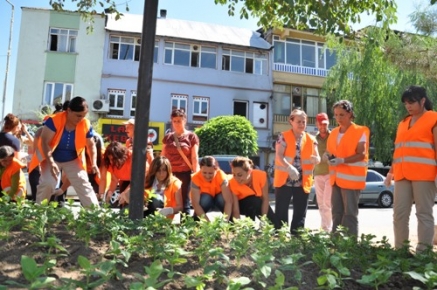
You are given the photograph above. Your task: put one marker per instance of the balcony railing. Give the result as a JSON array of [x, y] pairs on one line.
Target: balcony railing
[[283, 119], [297, 69]]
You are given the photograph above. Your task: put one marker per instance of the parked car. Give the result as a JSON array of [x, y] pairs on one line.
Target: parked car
[[374, 193], [224, 162]]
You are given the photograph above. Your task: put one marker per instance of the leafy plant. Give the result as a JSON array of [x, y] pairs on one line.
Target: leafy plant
[[34, 274]]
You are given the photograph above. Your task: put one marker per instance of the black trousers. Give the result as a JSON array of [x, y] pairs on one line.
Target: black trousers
[[300, 206], [34, 181], [251, 207], [153, 205], [185, 177]]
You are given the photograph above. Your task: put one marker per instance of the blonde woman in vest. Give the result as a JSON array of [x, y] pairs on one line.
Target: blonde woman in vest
[[414, 168], [249, 188], [13, 181], [63, 140], [296, 155], [209, 189], [347, 152]]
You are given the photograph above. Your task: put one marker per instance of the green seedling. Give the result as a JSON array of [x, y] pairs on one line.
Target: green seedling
[[375, 277], [34, 274], [152, 281], [237, 283]]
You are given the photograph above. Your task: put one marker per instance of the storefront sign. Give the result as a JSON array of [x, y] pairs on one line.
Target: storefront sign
[[114, 130]]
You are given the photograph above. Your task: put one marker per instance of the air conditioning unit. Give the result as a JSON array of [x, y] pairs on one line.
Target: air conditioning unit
[[47, 109], [100, 106]]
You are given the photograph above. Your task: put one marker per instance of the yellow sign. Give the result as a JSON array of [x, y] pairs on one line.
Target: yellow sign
[[114, 130]]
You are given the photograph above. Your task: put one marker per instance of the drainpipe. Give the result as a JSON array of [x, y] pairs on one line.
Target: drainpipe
[[7, 58]]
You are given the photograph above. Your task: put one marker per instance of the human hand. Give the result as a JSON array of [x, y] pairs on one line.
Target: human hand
[[54, 169], [293, 172], [124, 197], [315, 159], [336, 161], [388, 179], [95, 170], [325, 156], [58, 192], [166, 211]]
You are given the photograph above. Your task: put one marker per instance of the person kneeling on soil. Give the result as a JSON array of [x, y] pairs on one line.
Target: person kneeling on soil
[[13, 181], [249, 190], [163, 190], [209, 188]]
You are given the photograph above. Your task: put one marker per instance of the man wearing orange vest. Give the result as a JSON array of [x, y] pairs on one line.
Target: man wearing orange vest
[[63, 140], [347, 152]]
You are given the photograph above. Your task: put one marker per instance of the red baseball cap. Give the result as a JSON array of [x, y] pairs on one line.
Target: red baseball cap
[[322, 118]]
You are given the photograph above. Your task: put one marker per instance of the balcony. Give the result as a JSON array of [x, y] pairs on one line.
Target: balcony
[[283, 119], [303, 70]]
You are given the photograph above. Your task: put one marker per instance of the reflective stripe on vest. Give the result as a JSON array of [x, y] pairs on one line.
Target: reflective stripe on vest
[[414, 144], [421, 160], [351, 177]]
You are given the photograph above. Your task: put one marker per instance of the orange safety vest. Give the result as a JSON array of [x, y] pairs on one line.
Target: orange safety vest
[[414, 157], [348, 175], [307, 149], [123, 173], [59, 120], [210, 187], [241, 191], [169, 193], [12, 169]]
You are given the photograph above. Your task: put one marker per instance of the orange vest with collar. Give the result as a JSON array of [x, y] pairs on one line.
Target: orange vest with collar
[[59, 120], [241, 191], [348, 175], [12, 169], [414, 157], [306, 150], [169, 193], [210, 187]]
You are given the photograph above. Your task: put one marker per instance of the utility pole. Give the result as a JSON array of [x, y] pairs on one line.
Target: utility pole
[[144, 91], [8, 58]]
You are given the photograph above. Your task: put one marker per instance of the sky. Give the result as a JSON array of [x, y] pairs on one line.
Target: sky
[[195, 10]]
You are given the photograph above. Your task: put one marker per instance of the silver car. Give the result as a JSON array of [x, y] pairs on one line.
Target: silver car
[[374, 193]]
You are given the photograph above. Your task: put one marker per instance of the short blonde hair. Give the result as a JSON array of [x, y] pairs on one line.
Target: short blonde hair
[[297, 112]]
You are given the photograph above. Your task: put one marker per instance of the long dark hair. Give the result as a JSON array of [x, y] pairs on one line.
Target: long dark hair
[[78, 104]]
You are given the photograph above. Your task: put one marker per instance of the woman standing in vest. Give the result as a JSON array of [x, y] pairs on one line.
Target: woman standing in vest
[[296, 155], [63, 140], [209, 188], [249, 188], [347, 152], [414, 168], [181, 148]]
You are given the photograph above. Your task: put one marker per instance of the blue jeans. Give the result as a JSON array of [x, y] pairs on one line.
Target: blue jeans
[[207, 202]]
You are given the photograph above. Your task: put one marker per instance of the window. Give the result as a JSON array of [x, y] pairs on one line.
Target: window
[[372, 177], [125, 48], [303, 53], [190, 55], [57, 93], [116, 102], [62, 40], [240, 108], [179, 102], [289, 97], [200, 109], [246, 62], [133, 102]]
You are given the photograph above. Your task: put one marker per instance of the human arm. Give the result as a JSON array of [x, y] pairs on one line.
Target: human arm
[[112, 187], [315, 158], [360, 154], [29, 138], [65, 184], [265, 199], [280, 157], [92, 153], [195, 201], [103, 181], [389, 177], [195, 158], [46, 136], [235, 207], [227, 197]]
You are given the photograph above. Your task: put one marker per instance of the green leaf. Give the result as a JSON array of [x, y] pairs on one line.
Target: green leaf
[[30, 269], [84, 262]]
